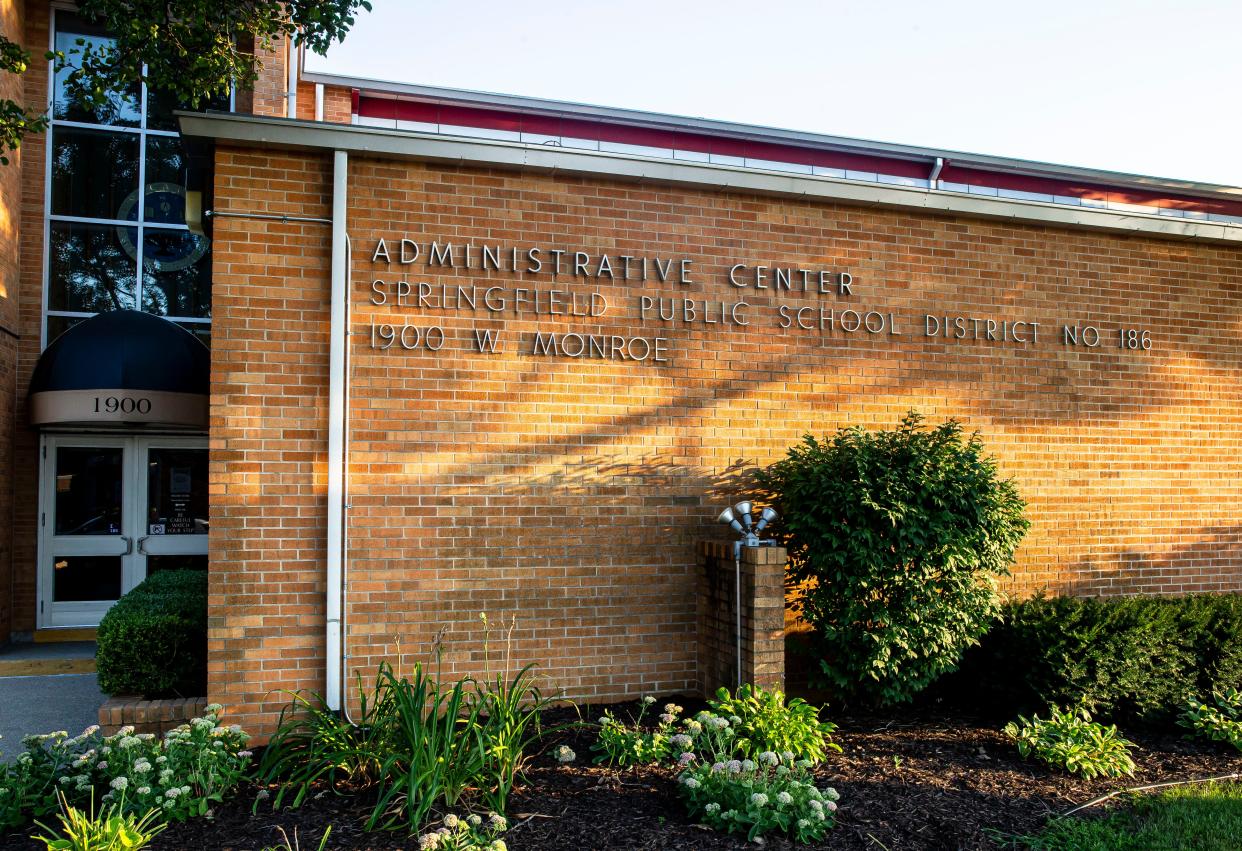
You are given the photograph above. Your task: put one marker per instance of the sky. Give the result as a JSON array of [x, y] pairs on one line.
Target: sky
[[1142, 86]]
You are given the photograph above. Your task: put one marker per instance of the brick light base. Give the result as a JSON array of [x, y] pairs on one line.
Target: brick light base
[[763, 616]]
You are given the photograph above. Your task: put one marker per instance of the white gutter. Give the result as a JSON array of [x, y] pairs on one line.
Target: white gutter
[[336, 429]]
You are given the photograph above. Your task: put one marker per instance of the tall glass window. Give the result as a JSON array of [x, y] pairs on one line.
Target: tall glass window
[[117, 182]]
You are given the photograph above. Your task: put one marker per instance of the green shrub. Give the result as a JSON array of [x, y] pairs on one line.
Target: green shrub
[[1219, 721], [897, 538], [153, 641], [1071, 741], [764, 721], [1131, 659]]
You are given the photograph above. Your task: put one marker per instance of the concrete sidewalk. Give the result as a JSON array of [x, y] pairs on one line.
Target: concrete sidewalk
[[32, 705]]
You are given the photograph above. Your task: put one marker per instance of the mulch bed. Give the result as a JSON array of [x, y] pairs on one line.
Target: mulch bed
[[934, 782]]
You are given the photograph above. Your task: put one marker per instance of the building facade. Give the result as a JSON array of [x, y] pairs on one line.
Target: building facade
[[476, 353]]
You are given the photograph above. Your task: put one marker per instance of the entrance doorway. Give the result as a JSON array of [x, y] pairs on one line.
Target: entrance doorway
[[114, 510]]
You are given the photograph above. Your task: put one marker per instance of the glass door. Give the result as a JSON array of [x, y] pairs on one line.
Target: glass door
[[174, 498], [114, 510], [86, 543]]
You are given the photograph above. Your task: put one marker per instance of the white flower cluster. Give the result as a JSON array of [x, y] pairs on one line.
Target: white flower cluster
[[466, 834], [564, 754], [133, 769]]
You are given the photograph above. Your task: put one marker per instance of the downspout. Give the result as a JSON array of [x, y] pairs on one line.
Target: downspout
[[319, 101], [336, 430], [933, 179], [291, 101]]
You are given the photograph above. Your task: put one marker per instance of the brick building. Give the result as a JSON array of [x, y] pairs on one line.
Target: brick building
[[479, 353]]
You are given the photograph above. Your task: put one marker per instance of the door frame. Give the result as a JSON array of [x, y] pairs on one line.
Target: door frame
[[134, 528]]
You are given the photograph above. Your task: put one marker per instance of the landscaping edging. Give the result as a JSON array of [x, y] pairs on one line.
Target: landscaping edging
[[148, 716]]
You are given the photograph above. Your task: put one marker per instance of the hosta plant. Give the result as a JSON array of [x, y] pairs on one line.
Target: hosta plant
[[773, 794], [762, 720], [1219, 721], [110, 830], [1071, 741]]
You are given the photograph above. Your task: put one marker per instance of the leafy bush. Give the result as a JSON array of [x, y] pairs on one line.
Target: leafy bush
[[194, 766], [153, 641], [419, 743], [1071, 741], [632, 744], [1219, 721], [754, 798], [110, 830], [1132, 659], [763, 721], [896, 538]]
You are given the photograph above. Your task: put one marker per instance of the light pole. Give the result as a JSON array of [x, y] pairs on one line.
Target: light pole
[[740, 520]]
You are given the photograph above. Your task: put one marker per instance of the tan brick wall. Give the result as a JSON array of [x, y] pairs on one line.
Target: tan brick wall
[[761, 574], [29, 327], [570, 493], [12, 22], [268, 437], [268, 94]]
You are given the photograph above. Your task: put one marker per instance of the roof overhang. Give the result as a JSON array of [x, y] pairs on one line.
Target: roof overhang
[[255, 131], [758, 133]]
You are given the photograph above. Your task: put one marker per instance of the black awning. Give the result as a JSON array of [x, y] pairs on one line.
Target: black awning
[[122, 368]]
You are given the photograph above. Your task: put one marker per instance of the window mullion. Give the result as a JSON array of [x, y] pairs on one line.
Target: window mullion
[[142, 188]]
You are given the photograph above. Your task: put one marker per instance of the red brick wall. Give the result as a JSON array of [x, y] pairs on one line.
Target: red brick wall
[[570, 493]]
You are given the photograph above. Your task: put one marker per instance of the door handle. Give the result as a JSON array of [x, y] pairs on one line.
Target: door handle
[[141, 541], [129, 545]]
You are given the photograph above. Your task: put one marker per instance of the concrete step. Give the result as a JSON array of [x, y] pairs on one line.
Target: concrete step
[[34, 659], [58, 636]]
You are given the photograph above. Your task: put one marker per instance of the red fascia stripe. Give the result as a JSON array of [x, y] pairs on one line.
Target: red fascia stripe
[[1079, 189], [517, 122], [465, 116]]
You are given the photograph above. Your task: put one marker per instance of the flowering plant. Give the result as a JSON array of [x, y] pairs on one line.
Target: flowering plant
[[773, 793], [180, 775], [472, 833], [764, 721], [623, 744]]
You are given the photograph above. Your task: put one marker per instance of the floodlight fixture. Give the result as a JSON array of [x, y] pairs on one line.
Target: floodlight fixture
[[739, 519], [766, 517], [729, 518]]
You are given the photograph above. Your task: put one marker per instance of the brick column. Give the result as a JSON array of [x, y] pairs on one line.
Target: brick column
[[763, 616]]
